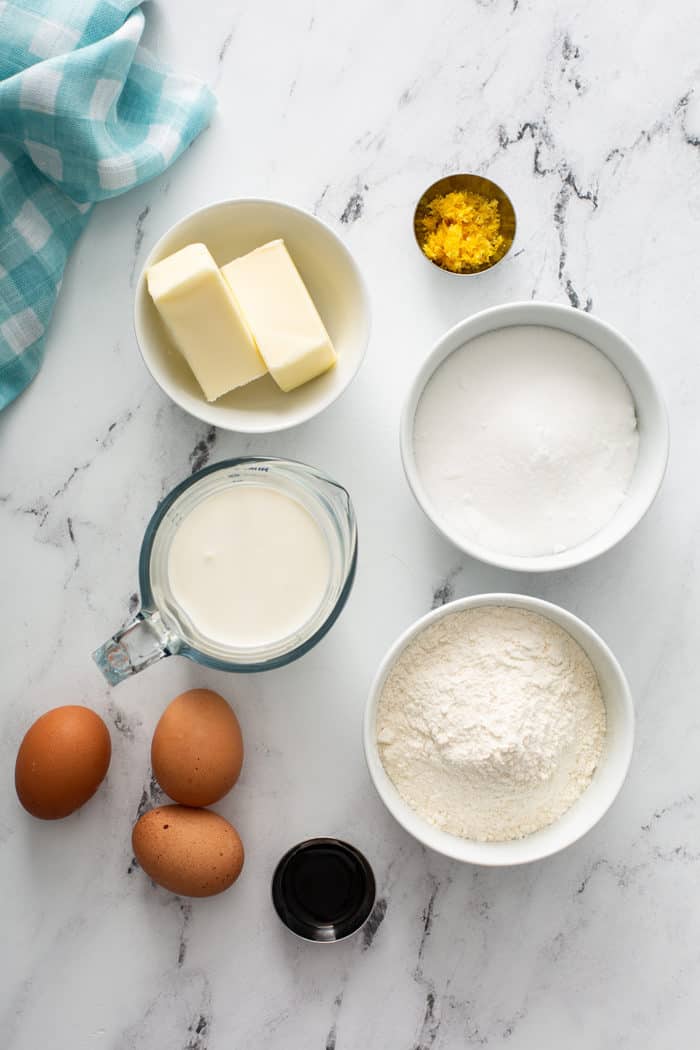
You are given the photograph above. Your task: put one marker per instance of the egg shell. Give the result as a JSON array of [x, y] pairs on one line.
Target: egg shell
[[192, 852], [197, 748], [61, 762]]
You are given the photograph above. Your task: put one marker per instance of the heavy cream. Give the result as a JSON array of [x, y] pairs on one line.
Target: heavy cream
[[526, 440], [249, 566]]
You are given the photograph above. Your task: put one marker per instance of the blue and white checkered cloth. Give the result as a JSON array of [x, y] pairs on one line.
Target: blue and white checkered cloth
[[85, 114]]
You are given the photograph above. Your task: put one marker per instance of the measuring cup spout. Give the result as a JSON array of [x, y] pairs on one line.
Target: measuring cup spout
[[339, 498], [138, 645]]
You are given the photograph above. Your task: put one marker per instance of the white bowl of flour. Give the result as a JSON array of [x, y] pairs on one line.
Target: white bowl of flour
[[534, 437], [499, 729]]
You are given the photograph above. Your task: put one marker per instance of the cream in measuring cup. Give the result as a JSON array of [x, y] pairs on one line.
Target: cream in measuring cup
[[243, 567], [249, 566]]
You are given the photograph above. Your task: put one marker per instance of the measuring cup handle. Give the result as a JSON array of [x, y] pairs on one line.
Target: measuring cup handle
[[138, 645]]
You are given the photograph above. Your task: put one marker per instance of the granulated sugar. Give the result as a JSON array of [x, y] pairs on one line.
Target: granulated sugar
[[526, 440]]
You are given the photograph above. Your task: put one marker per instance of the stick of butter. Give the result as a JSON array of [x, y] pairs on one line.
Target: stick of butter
[[204, 320], [289, 333]]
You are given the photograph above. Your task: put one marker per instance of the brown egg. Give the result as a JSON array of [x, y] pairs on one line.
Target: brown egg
[[192, 852], [197, 748], [62, 761]]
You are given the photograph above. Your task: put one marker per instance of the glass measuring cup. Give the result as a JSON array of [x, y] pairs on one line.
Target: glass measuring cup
[[162, 628]]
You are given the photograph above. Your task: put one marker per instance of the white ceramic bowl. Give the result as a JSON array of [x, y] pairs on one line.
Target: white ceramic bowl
[[593, 803], [232, 228], [651, 417]]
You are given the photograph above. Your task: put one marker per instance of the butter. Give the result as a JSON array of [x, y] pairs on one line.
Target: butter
[[204, 320], [285, 324]]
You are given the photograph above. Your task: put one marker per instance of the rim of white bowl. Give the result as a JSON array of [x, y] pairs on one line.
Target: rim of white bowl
[[540, 844], [313, 411], [550, 315]]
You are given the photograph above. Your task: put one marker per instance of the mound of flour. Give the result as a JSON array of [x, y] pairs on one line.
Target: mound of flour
[[491, 723]]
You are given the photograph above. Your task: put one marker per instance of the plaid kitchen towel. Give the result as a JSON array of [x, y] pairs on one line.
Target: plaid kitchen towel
[[85, 113]]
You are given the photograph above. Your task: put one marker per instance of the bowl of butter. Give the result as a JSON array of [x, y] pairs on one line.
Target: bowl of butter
[[252, 315]]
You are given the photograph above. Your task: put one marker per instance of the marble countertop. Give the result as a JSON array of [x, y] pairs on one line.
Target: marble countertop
[[589, 114]]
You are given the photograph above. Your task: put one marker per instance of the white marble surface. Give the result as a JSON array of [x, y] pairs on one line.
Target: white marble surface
[[590, 115]]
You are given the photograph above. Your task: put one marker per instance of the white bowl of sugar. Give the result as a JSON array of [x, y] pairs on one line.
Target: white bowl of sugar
[[434, 680], [534, 437]]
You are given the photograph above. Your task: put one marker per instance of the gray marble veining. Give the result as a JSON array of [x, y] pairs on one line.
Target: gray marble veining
[[589, 115]]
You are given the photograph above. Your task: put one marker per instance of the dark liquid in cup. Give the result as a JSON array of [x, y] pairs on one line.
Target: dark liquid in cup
[[323, 889]]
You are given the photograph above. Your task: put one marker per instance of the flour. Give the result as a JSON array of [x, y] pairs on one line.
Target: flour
[[491, 723], [526, 440]]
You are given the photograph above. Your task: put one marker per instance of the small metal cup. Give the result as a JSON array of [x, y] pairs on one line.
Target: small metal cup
[[475, 184], [325, 903]]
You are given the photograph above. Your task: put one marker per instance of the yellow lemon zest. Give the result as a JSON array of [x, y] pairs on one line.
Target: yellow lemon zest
[[461, 231]]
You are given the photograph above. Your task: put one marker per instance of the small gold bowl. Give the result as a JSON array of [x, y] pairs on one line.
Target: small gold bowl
[[474, 184]]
